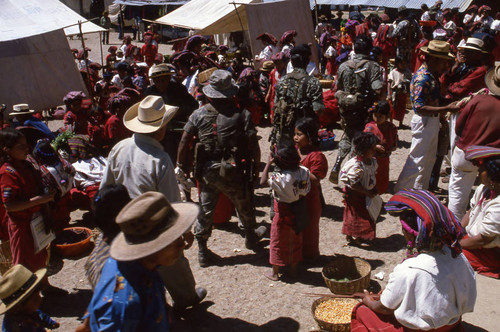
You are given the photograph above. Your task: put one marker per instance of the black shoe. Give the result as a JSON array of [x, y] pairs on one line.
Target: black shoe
[[205, 257], [202, 293]]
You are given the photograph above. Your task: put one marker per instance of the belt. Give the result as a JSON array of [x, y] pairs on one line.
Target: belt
[[430, 116]]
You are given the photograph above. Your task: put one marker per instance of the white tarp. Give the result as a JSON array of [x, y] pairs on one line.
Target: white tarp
[[37, 70], [25, 18], [208, 17]]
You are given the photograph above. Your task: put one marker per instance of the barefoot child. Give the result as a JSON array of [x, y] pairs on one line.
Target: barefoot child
[[290, 182], [358, 174], [307, 142], [22, 197], [387, 133], [20, 296]]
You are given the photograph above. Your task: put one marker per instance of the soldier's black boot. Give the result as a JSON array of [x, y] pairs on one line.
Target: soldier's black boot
[[204, 254], [334, 174], [253, 237]]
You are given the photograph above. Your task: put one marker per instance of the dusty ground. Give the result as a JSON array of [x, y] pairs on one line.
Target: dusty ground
[[239, 297]]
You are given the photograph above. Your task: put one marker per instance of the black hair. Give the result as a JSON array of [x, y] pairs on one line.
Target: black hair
[[399, 59], [424, 7], [8, 138], [107, 203], [363, 45], [45, 154], [309, 128], [299, 56], [363, 142], [286, 156], [381, 107], [492, 167]]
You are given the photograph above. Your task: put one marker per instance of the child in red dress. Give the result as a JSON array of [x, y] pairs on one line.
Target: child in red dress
[[290, 182], [23, 198], [358, 174], [307, 142], [387, 133]]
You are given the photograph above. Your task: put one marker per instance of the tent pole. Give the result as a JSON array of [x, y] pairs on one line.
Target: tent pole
[[242, 28], [100, 45], [316, 10], [91, 94]]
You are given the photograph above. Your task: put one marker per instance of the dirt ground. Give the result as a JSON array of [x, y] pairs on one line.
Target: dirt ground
[[239, 297]]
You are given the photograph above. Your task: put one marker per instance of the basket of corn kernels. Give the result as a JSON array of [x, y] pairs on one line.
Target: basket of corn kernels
[[333, 314]]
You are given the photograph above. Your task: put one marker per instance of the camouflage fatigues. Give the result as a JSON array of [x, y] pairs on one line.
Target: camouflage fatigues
[[346, 82], [234, 181], [289, 89]]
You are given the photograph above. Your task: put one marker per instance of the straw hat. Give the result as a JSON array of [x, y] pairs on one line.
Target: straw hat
[[205, 75], [267, 66], [149, 223], [439, 49], [21, 109], [492, 79], [474, 44], [149, 115], [160, 70], [16, 284], [221, 85]]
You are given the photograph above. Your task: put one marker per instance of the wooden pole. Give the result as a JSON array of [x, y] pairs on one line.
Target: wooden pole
[[100, 45], [91, 93], [243, 30]]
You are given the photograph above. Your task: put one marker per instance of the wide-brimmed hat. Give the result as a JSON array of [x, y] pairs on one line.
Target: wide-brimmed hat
[[221, 85], [439, 49], [474, 44], [16, 284], [492, 79], [21, 109], [149, 115], [267, 66], [150, 223], [160, 70], [204, 76]]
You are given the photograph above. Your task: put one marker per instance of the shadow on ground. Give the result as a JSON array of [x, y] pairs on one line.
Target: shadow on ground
[[57, 305], [200, 319]]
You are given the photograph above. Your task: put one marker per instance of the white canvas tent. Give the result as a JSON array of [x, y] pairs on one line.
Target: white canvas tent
[[209, 17], [36, 63], [27, 18]]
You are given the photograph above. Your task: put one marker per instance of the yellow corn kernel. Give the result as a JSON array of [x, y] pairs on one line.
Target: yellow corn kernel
[[335, 310]]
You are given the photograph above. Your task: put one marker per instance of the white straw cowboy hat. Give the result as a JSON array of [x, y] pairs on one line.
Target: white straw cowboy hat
[[439, 49], [21, 109], [161, 69], [149, 223], [17, 284], [149, 115], [474, 44], [492, 79]]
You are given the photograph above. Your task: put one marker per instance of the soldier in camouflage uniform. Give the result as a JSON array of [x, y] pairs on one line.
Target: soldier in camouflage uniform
[[297, 95], [227, 158], [360, 77]]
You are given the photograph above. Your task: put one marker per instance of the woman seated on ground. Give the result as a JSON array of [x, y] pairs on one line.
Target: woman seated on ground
[[435, 285], [482, 222]]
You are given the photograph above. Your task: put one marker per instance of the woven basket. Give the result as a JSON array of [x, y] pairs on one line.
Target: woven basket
[[325, 326], [5, 257], [326, 84], [356, 269]]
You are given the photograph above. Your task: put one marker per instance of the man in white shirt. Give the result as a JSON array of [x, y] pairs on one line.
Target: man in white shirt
[[141, 165]]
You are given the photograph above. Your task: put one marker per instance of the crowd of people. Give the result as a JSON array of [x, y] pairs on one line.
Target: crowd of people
[[154, 127]]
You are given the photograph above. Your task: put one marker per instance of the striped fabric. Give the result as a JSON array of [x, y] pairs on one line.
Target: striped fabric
[[435, 221], [481, 152], [96, 261]]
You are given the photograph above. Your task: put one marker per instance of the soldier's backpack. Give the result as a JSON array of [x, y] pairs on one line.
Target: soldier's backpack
[[355, 98], [290, 108]]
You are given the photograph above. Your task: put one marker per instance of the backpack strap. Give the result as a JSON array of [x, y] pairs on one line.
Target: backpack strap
[[304, 86]]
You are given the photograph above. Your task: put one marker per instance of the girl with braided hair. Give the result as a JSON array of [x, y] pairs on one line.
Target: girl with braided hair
[[435, 285], [358, 174], [482, 222]]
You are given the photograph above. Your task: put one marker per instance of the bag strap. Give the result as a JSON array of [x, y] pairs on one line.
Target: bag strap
[[304, 86]]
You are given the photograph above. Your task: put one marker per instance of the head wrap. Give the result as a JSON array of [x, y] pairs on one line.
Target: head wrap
[[435, 222], [268, 37], [193, 41], [73, 95], [287, 37]]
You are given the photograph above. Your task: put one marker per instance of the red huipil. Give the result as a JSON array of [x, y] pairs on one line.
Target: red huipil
[[20, 184], [317, 164], [115, 131], [285, 247], [387, 133], [149, 53], [419, 55], [460, 87], [274, 77]]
